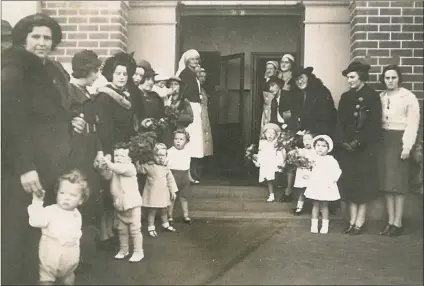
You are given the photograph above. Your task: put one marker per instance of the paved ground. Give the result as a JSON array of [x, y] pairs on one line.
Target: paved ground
[[261, 252]]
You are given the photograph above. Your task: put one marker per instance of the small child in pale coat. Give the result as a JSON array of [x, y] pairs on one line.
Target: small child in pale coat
[[322, 184], [269, 159], [126, 200], [159, 190], [59, 248]]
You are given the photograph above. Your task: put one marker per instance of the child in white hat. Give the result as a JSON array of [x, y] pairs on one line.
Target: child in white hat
[[269, 159], [322, 183]]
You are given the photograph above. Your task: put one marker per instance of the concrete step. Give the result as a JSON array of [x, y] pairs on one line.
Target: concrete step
[[249, 202]]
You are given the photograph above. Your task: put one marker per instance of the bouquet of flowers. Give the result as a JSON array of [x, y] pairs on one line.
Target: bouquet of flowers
[[141, 147], [170, 119], [286, 140], [298, 159], [250, 153]]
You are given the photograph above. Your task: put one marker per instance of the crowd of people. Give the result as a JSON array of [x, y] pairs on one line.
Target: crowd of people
[[66, 157], [374, 135], [67, 169]]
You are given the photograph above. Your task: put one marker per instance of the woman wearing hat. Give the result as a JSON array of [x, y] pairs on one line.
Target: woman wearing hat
[[187, 72], [315, 105], [141, 67], [148, 105], [358, 134], [114, 125], [401, 120], [271, 70], [287, 65], [36, 135], [177, 101]]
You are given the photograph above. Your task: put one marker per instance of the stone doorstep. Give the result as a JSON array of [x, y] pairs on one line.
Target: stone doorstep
[[239, 202]]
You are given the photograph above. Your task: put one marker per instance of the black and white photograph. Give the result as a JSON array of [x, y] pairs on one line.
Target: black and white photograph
[[197, 142]]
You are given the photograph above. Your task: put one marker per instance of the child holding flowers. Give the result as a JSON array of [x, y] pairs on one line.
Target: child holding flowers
[[322, 185], [302, 159], [269, 159], [160, 188]]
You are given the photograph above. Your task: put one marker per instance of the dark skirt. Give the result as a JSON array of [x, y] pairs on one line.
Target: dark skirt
[[359, 181], [394, 172], [83, 153], [183, 182]]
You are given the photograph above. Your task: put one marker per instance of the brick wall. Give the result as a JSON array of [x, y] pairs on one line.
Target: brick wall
[[100, 26], [387, 32]]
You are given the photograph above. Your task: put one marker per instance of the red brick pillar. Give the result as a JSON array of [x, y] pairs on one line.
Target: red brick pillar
[[386, 32], [100, 26]]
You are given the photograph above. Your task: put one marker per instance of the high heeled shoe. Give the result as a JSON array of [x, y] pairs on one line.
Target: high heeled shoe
[[396, 231], [348, 229], [386, 230], [357, 230]]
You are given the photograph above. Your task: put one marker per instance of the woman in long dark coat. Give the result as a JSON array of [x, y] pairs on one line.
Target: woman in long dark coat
[[314, 110], [182, 105], [358, 134], [36, 136], [115, 124], [314, 103]]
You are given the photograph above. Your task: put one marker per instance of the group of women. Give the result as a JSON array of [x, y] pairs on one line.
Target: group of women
[[374, 133], [51, 123]]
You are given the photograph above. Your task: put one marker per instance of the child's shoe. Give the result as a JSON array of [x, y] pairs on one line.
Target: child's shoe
[[168, 227], [152, 231], [271, 198], [121, 255], [324, 227], [137, 257], [314, 225]]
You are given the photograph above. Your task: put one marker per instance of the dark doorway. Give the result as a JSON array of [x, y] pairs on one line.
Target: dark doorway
[[259, 61]]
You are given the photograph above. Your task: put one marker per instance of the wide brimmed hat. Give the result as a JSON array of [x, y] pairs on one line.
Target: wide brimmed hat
[[327, 139], [120, 58], [277, 80], [144, 64], [6, 28], [161, 76], [299, 71], [356, 66], [272, 126], [175, 78]]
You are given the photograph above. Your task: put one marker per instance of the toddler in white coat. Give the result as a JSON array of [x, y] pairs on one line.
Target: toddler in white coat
[[322, 183]]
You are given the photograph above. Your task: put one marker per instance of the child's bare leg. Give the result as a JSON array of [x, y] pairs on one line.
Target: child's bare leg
[[69, 280], [324, 210], [123, 239], [184, 206], [171, 211], [136, 236], [151, 214], [314, 220], [165, 222], [271, 196], [300, 202], [325, 215]]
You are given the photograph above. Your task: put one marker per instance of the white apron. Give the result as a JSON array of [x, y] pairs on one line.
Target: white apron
[[196, 132]]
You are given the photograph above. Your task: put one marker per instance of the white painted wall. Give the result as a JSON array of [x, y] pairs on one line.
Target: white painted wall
[[327, 45]]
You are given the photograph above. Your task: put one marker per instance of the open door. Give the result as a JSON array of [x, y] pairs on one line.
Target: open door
[[229, 143]]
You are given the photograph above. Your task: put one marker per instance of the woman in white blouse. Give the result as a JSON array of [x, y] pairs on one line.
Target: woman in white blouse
[[401, 117]]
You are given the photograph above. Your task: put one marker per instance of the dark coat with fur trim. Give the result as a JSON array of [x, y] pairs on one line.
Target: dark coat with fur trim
[[36, 121]]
